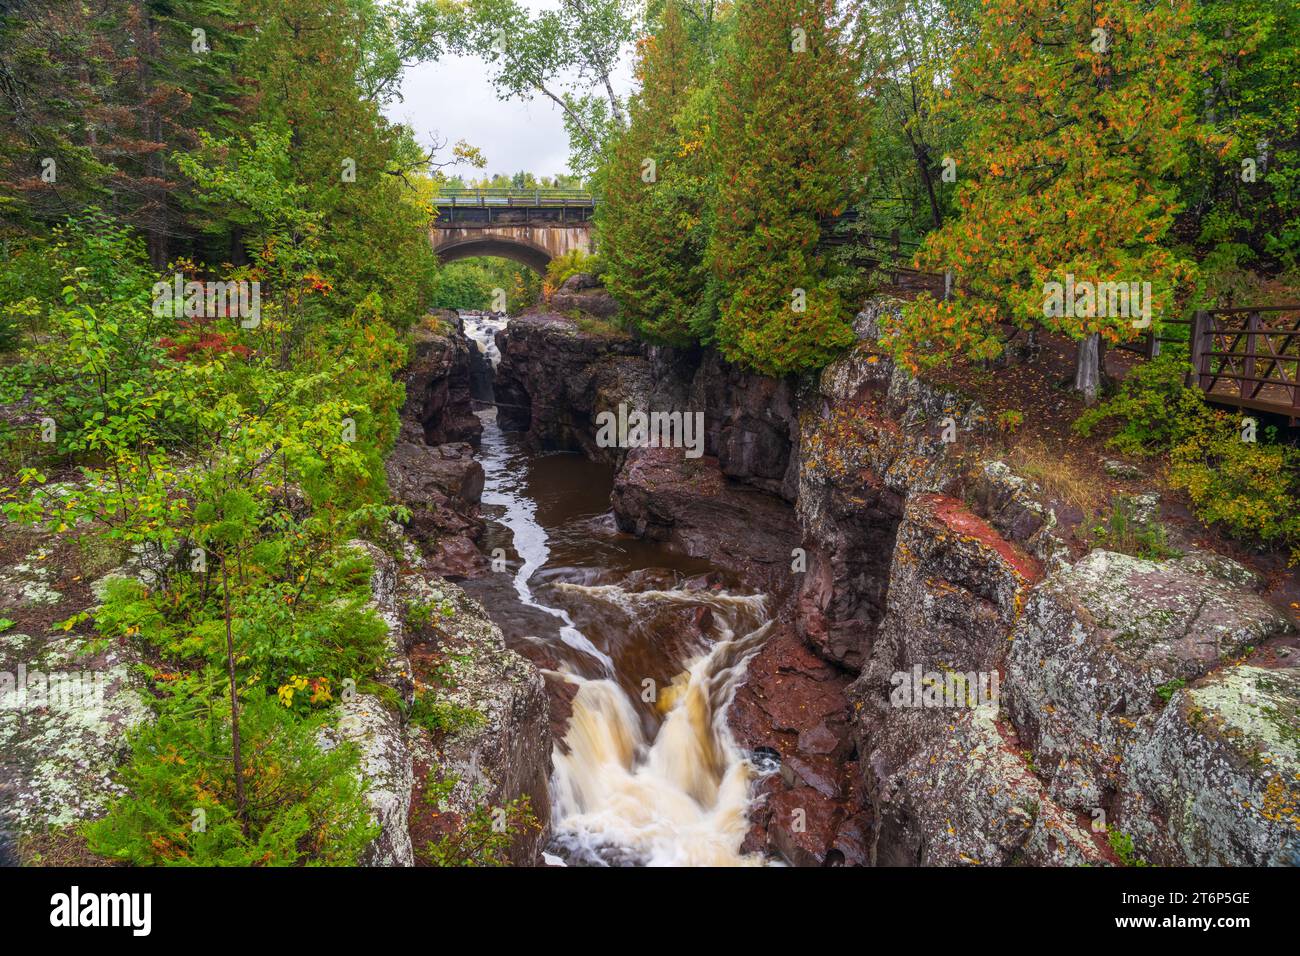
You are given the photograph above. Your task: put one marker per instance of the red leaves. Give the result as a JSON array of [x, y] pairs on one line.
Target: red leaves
[[206, 345]]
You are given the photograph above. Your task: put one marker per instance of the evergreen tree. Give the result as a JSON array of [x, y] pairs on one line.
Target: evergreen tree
[[97, 98], [1243, 192], [655, 183], [1079, 115], [789, 150]]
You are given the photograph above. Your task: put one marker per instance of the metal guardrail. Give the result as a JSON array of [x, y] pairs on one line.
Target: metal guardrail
[[515, 197]]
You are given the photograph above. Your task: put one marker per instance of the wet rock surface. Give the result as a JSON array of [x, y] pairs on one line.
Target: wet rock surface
[[811, 807], [553, 380], [438, 377], [432, 469], [687, 502], [441, 486]]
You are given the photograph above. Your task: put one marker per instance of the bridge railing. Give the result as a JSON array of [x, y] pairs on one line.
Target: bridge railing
[[1249, 357], [515, 197]]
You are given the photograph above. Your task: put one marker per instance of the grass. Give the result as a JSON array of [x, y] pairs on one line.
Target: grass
[[1119, 532], [1055, 474], [590, 325]]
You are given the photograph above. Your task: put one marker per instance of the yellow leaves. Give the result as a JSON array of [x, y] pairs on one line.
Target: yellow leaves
[[286, 691]]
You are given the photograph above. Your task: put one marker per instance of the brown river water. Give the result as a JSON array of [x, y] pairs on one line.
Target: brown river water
[[651, 645]]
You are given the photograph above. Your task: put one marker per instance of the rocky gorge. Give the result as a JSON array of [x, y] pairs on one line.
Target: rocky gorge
[[1147, 710], [1140, 710]]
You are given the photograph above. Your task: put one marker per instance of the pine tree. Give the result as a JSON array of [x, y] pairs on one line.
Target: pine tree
[[1079, 119], [96, 99], [652, 219], [790, 143]]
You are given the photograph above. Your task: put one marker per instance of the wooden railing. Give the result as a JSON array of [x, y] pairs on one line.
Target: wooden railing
[[1249, 357]]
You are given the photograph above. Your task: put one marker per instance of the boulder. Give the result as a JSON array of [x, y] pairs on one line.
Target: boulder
[[60, 748], [1217, 781], [582, 292], [1096, 643]]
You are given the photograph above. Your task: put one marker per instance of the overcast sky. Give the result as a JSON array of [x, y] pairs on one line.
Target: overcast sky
[[454, 98]]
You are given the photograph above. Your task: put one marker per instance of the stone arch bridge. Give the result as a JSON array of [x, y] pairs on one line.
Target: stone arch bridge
[[524, 225]]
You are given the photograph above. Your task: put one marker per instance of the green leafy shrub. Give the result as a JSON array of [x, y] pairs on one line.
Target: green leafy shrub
[[1247, 488], [1167, 690], [422, 614], [322, 630], [569, 264], [1122, 844], [303, 805], [484, 837], [1152, 410]]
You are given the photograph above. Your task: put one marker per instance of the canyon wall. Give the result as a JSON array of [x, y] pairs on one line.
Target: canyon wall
[[1139, 710]]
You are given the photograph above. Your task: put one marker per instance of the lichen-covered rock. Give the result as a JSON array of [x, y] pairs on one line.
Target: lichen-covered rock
[[956, 590], [395, 671], [29, 582], [968, 799], [386, 769], [1217, 782], [1097, 641], [65, 709], [946, 786], [1015, 506], [1122, 469], [505, 754]]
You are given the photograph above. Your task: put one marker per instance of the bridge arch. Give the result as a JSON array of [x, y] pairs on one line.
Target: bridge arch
[[535, 257], [531, 227]]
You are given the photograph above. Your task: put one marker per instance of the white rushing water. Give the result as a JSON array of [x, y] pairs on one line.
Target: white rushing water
[[680, 798], [672, 790]]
